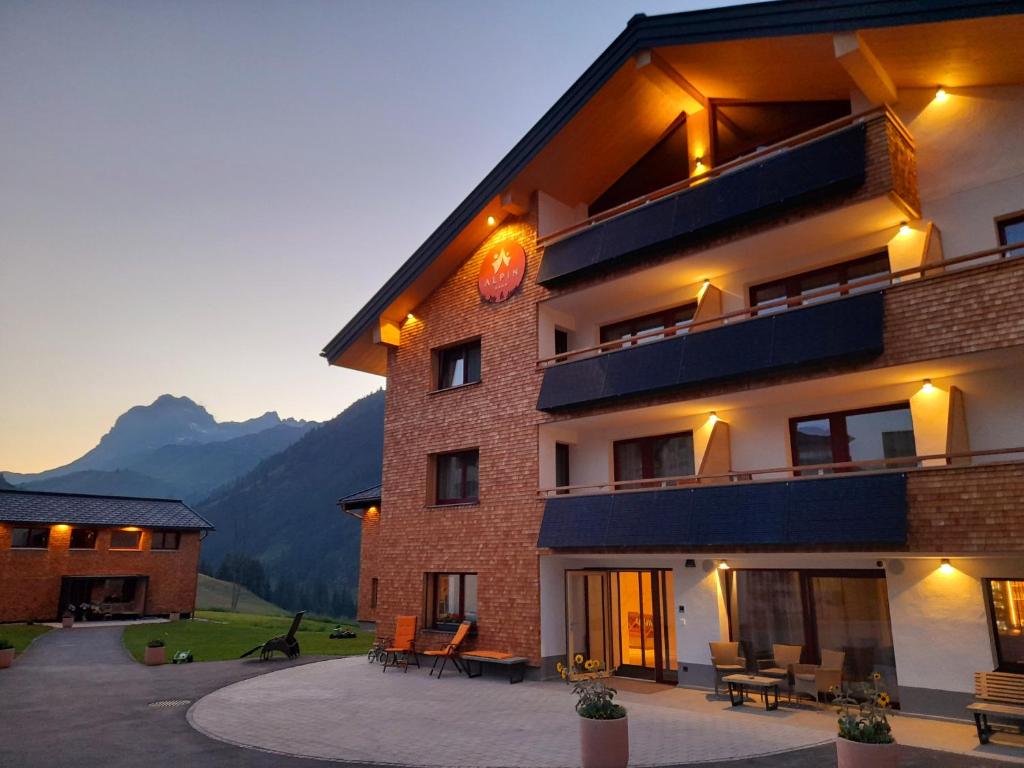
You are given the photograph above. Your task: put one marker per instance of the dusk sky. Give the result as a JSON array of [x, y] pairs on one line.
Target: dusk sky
[[195, 196]]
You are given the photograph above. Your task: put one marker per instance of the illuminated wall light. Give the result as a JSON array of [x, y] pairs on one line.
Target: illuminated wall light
[[904, 228], [61, 527], [491, 221], [723, 565], [941, 95], [698, 165], [927, 386], [945, 567], [410, 317], [713, 417]]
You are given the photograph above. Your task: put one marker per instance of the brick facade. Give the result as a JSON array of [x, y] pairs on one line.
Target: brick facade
[[30, 579], [369, 564]]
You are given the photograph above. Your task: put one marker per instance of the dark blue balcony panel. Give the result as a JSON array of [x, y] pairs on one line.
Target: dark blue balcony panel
[[853, 510], [788, 178], [849, 329]]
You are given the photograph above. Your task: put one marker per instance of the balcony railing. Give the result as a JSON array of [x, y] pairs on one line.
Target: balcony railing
[[931, 270], [901, 464]]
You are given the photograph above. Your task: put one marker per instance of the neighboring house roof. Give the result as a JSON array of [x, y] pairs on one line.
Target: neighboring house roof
[[367, 497], [755, 20], [86, 509]]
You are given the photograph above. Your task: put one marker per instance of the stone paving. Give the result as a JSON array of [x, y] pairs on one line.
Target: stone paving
[[347, 709]]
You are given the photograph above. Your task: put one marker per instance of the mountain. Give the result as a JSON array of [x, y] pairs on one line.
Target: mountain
[[284, 512], [117, 482], [167, 421]]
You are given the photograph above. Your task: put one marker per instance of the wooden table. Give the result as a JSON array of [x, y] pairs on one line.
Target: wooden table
[[739, 684]]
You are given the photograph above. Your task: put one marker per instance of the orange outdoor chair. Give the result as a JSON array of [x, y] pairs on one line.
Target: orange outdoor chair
[[403, 647], [450, 650]]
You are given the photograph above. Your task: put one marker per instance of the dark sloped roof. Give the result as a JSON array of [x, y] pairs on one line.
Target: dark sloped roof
[[86, 509], [361, 499], [754, 20]]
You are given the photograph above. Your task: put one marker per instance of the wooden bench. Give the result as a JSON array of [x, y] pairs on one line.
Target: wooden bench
[[1002, 696], [516, 664]]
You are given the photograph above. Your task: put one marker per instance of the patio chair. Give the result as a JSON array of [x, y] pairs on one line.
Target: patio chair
[[726, 659], [286, 644], [450, 650], [816, 679], [403, 647], [784, 658]]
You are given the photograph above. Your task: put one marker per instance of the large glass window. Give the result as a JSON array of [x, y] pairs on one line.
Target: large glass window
[[657, 321], [846, 611], [865, 435], [850, 273], [30, 538], [165, 540], [125, 539], [1011, 230], [1006, 607], [458, 365], [83, 538], [653, 457], [458, 477], [454, 598]]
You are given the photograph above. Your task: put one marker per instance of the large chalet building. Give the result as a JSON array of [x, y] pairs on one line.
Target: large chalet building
[[728, 347]]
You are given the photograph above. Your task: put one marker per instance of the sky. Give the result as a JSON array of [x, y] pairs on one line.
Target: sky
[[195, 196]]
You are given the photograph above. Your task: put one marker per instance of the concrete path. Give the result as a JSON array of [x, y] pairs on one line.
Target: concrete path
[[347, 709]]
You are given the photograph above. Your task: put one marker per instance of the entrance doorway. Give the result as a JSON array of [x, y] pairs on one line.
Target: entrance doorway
[[623, 618], [103, 597]]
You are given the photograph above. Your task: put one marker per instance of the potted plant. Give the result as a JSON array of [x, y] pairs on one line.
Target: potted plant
[[865, 737], [604, 728], [156, 653], [6, 654]]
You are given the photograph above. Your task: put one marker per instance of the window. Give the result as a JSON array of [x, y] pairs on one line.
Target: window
[[458, 365], [30, 538], [561, 341], [1011, 230], [652, 457], [125, 539], [654, 322], [457, 477], [453, 599], [83, 538], [742, 127], [165, 540], [1006, 607], [373, 592], [562, 465], [856, 271], [865, 435]]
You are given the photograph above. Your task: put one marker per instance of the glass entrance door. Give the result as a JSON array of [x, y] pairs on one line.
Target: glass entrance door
[[623, 619]]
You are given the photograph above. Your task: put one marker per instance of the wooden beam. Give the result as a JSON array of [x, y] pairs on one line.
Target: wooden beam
[[864, 68], [670, 81], [387, 332], [515, 201]]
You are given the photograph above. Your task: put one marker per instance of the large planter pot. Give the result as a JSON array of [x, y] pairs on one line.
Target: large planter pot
[[6, 657], [155, 656], [855, 754], [604, 743], [67, 622]]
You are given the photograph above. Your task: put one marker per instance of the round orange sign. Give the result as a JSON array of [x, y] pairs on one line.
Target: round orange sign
[[502, 271]]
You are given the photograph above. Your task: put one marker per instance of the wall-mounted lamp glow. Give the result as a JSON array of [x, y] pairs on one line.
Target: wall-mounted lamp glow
[[61, 527], [713, 417], [904, 228], [410, 317], [945, 567], [723, 565], [927, 386], [490, 221], [698, 165], [940, 95]]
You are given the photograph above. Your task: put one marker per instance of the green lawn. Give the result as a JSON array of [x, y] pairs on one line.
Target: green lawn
[[219, 635], [20, 635], [215, 595]]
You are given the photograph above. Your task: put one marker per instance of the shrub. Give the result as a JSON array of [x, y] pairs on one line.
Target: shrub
[[593, 697], [4, 644], [155, 644], [865, 721]]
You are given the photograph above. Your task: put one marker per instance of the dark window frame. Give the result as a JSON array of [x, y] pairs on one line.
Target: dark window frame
[[138, 543], [464, 481], [666, 318], [1004, 221], [561, 341], [158, 540], [32, 529], [95, 537], [563, 465], [433, 581], [1001, 665], [647, 444], [840, 438], [791, 283], [441, 357]]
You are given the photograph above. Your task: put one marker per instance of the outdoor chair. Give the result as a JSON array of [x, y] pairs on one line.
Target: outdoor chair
[[403, 647], [784, 658], [450, 650], [726, 659], [286, 644], [816, 679]]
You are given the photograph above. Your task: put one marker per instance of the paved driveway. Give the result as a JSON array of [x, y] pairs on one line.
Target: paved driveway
[[77, 699]]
